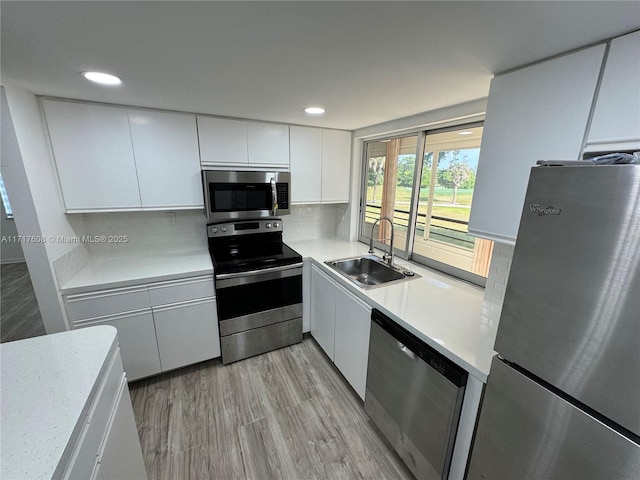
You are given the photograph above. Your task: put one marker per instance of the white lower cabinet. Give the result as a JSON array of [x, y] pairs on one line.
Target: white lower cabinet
[[306, 296], [121, 455], [108, 446], [351, 347], [340, 323], [137, 337], [187, 332], [175, 323], [323, 310]]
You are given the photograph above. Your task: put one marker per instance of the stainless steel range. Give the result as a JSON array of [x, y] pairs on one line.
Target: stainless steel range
[[258, 287]]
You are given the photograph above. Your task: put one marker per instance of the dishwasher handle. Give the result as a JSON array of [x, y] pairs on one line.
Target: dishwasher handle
[[403, 348], [416, 348]]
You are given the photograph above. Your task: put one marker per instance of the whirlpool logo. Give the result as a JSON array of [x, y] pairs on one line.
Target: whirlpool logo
[[550, 210]]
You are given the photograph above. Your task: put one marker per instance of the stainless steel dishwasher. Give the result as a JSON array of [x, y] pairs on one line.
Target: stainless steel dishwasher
[[414, 397]]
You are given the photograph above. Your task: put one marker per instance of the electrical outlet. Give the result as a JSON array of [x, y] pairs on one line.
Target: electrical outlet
[[171, 218]]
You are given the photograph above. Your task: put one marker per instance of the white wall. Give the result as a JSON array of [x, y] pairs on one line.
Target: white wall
[[32, 185]]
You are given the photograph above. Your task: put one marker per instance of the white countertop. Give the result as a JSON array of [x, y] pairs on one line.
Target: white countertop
[[130, 271], [447, 314], [48, 384]]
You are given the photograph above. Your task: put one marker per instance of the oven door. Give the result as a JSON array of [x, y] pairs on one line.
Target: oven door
[[260, 310], [240, 195]]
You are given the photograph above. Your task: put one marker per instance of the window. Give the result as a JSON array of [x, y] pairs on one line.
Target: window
[[5, 199], [428, 200]]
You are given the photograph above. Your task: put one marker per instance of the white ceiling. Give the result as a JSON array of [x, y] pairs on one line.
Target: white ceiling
[[366, 62]]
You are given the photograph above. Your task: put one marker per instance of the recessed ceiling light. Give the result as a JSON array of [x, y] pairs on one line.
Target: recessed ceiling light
[[314, 110], [466, 132], [102, 78]]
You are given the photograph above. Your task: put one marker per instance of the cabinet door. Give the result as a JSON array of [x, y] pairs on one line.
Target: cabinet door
[[93, 155], [352, 327], [616, 119], [336, 166], [137, 337], [121, 456], [165, 146], [306, 164], [268, 144], [537, 113], [306, 296], [323, 310], [187, 333], [222, 142]]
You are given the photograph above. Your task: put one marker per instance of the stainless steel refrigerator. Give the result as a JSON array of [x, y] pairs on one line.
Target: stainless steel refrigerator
[[563, 396]]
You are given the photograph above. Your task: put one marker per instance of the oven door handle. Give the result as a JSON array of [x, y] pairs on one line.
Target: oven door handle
[[226, 280], [274, 197]]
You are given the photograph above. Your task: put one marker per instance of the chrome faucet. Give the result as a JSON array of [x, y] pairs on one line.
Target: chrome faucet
[[389, 259]]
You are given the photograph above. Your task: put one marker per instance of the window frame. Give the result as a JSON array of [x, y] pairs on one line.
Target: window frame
[[408, 253], [8, 211]]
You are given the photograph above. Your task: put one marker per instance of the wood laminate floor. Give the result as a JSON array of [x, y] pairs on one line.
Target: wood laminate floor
[[19, 313], [287, 414]]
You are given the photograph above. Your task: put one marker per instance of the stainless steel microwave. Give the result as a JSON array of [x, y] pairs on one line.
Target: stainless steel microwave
[[231, 195]]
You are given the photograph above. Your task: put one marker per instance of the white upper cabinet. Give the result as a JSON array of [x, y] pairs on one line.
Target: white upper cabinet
[[336, 166], [94, 156], [616, 118], [112, 159], [165, 147], [306, 164], [268, 144], [243, 145], [320, 165], [222, 141], [536, 113]]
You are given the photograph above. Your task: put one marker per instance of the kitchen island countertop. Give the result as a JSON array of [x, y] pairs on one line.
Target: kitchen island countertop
[[448, 314], [48, 386]]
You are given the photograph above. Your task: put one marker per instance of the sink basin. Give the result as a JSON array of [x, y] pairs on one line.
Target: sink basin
[[370, 271]]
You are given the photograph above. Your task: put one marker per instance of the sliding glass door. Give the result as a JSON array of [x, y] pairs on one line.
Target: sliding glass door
[[390, 170], [429, 200]]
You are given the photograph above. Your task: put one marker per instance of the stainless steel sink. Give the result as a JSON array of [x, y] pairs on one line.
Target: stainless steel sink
[[370, 271]]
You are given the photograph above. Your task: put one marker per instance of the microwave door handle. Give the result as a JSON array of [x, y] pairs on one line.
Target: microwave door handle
[[274, 197]]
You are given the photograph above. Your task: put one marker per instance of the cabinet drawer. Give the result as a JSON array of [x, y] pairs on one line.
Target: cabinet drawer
[[165, 293], [107, 302], [85, 455]]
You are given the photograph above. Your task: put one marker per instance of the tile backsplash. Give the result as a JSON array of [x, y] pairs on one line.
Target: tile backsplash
[[146, 233], [307, 222], [66, 266], [498, 273], [149, 233]]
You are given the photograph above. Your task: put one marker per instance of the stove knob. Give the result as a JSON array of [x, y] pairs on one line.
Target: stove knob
[[276, 225], [268, 225], [214, 229], [224, 229]]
